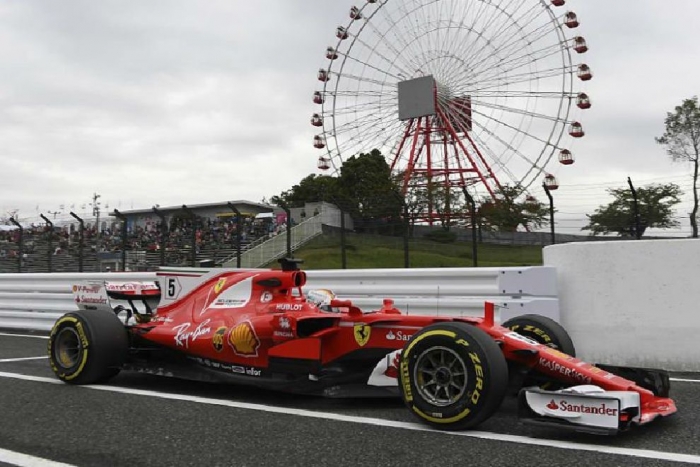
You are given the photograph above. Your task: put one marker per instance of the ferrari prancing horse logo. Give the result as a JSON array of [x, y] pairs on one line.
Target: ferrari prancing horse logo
[[220, 285], [362, 332]]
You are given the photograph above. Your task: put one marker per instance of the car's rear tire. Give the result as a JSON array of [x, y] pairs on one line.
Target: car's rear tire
[[544, 331], [452, 376], [87, 347]]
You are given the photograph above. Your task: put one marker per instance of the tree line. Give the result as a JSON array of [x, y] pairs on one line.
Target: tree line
[[367, 190]]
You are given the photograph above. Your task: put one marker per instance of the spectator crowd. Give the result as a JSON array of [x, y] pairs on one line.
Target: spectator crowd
[[209, 234]]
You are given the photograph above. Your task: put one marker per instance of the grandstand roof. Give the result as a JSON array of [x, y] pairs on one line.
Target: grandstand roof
[[222, 204]]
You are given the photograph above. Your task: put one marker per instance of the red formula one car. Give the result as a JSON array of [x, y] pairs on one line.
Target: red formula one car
[[258, 327]]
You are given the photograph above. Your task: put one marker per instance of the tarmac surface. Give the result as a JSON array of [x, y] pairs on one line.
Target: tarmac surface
[[142, 420]]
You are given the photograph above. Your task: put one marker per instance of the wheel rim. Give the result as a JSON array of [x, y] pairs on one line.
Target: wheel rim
[[67, 348], [441, 376]]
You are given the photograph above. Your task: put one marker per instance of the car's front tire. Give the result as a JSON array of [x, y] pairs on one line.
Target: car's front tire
[[544, 331], [87, 347], [452, 376]]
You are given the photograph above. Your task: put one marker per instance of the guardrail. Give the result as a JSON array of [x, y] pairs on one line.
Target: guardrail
[[35, 301]]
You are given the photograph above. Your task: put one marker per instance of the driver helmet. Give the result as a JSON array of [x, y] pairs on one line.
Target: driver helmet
[[321, 298]]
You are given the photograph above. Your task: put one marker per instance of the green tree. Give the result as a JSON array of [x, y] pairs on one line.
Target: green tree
[[682, 141], [432, 200], [510, 210], [310, 189], [655, 210], [367, 190]]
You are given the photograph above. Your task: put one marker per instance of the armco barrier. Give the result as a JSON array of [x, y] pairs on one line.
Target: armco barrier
[[35, 301], [634, 303]]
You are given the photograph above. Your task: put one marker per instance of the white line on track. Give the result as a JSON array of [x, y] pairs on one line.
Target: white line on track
[[640, 453], [21, 359], [35, 336], [682, 380], [24, 460]]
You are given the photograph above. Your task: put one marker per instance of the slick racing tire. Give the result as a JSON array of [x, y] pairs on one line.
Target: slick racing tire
[[452, 376], [544, 331], [87, 347]]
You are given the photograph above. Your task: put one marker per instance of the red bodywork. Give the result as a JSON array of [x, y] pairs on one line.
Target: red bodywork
[[260, 323]]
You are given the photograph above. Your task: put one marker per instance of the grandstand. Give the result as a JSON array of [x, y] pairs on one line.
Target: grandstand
[[168, 236]]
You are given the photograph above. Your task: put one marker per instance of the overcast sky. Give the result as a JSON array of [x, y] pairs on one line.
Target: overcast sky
[[170, 102]]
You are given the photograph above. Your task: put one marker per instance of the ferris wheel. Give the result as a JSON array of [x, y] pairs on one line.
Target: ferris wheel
[[458, 93]]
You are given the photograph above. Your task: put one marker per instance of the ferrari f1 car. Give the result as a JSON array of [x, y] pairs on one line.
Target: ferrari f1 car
[[258, 327]]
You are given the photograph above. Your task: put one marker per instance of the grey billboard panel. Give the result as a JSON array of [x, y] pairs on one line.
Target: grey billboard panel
[[416, 98]]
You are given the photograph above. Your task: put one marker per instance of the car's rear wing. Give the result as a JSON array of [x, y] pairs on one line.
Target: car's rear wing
[[111, 295]]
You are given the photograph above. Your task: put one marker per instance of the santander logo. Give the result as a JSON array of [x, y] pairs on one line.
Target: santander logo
[[582, 408], [398, 335]]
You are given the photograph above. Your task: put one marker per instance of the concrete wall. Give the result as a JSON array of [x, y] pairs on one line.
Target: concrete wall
[[633, 303]]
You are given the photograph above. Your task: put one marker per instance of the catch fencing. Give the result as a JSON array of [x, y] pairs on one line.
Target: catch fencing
[[35, 301]]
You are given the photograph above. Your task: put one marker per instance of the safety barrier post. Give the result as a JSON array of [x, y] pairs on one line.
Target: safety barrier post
[[49, 253], [162, 235], [19, 243], [81, 240], [122, 218]]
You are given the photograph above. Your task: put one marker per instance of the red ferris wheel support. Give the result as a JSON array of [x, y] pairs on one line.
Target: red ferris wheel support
[[436, 137]]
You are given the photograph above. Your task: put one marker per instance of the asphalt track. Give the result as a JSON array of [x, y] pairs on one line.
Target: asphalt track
[[140, 420]]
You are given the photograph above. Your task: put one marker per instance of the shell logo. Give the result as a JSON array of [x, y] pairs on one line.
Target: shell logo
[[243, 340]]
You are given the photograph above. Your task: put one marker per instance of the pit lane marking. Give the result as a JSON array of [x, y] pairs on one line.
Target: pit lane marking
[[23, 335], [612, 450], [21, 359], [25, 460]]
